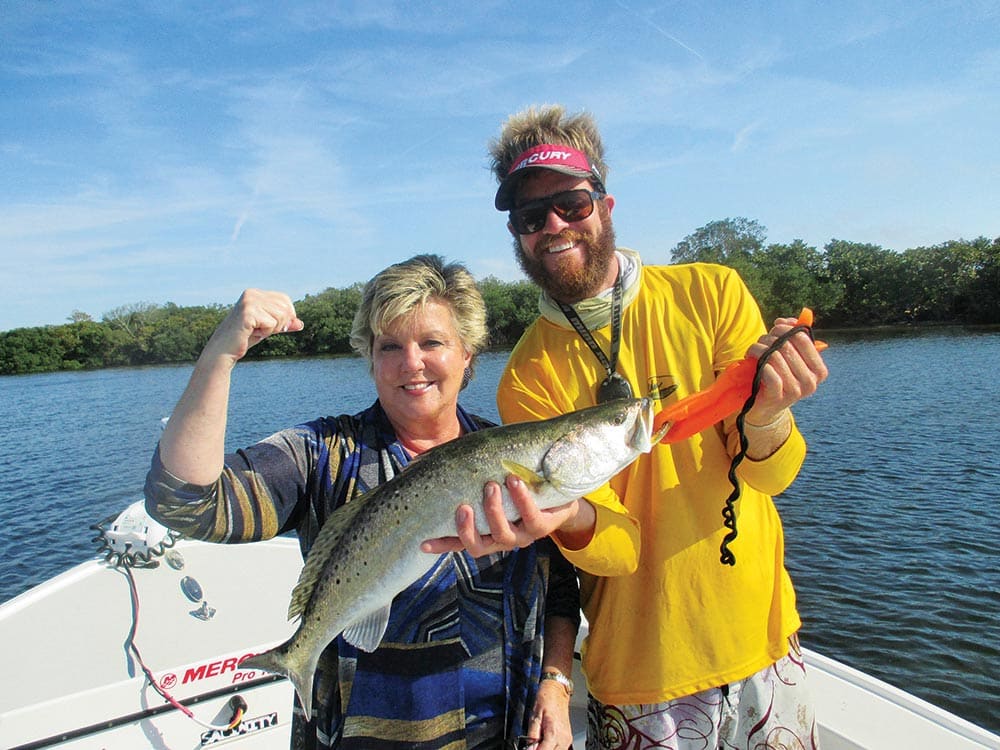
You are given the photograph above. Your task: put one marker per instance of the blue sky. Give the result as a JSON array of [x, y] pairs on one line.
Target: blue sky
[[181, 152]]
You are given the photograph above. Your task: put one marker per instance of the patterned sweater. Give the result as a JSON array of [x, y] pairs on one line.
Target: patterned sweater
[[460, 661]]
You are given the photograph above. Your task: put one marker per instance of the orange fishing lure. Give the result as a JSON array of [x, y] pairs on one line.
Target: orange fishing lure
[[724, 397]]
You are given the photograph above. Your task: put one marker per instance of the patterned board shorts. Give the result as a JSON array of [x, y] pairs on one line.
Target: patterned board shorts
[[770, 710]]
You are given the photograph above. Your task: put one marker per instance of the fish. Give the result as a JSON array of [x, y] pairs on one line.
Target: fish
[[369, 549]]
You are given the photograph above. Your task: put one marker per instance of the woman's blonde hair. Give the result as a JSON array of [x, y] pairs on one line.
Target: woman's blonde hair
[[405, 286]]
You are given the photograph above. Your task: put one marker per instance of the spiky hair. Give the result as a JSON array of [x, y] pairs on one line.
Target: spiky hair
[[547, 123]]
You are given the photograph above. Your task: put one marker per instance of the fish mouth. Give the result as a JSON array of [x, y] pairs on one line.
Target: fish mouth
[[645, 437]]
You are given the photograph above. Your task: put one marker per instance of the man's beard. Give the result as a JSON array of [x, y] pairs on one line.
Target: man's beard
[[571, 286]]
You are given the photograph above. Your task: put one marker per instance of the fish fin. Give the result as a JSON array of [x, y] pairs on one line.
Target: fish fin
[[278, 661], [530, 477], [367, 632], [328, 538]]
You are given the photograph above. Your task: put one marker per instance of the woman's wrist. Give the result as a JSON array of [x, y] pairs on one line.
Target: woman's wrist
[[556, 675]]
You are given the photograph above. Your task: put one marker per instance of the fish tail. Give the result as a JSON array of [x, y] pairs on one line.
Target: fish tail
[[280, 660]]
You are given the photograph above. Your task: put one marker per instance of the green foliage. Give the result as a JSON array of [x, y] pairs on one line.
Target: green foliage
[[26, 350], [856, 284], [178, 334], [510, 308], [88, 345], [874, 283], [979, 295], [846, 284], [133, 325], [792, 277], [328, 317], [730, 242]]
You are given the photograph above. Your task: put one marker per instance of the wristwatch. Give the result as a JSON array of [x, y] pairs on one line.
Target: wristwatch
[[555, 674]]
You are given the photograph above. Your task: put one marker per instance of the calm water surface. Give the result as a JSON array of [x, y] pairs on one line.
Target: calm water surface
[[891, 527]]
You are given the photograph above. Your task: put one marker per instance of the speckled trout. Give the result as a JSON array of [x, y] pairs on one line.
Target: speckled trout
[[369, 549]]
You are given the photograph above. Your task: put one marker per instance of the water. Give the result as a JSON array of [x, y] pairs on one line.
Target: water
[[890, 528]]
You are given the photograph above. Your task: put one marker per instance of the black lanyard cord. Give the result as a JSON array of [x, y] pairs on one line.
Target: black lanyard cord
[[614, 385], [616, 327], [729, 510]]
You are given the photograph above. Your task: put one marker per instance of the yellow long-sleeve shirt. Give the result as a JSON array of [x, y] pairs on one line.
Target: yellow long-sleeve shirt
[[667, 619]]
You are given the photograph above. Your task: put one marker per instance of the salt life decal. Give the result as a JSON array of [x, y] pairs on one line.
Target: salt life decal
[[245, 727]]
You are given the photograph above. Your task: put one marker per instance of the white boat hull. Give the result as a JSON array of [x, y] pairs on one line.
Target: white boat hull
[[69, 682]]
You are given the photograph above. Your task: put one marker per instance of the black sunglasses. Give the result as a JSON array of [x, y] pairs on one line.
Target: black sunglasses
[[569, 205]]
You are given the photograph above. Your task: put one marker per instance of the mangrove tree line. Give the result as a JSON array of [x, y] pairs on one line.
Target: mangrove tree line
[[847, 284]]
